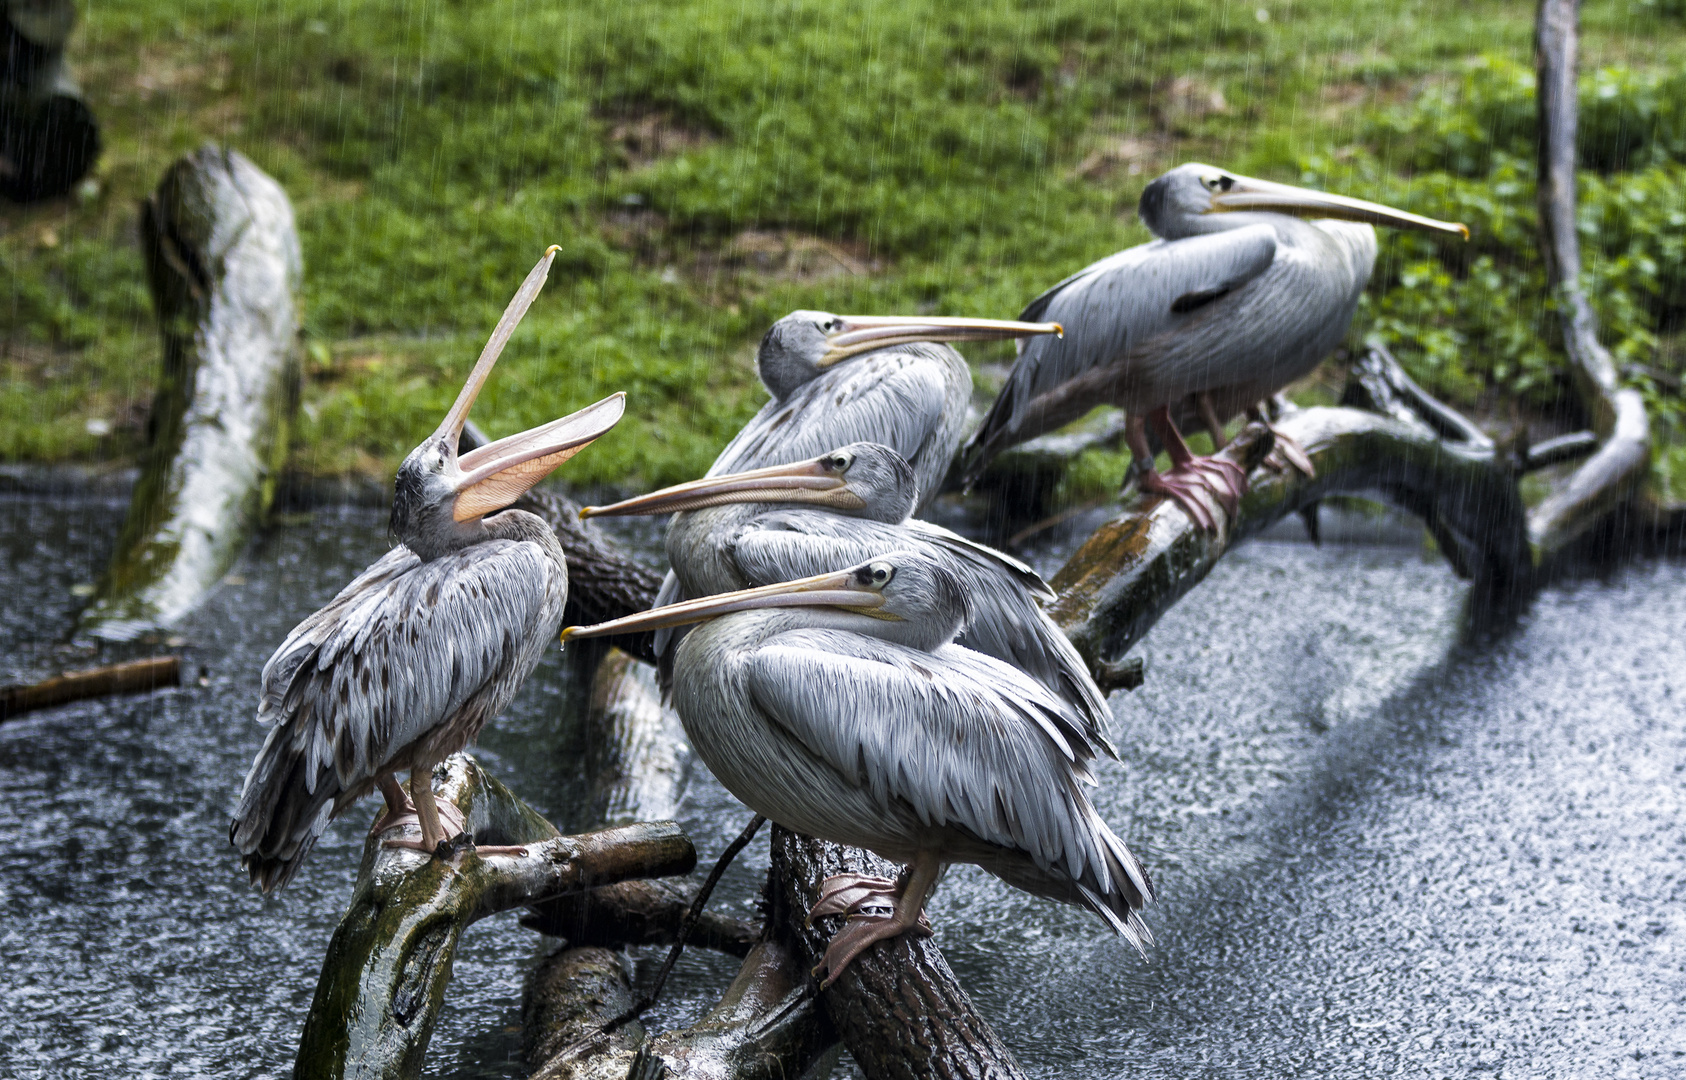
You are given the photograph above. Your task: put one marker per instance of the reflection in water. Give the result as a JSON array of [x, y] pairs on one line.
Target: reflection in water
[[1379, 850]]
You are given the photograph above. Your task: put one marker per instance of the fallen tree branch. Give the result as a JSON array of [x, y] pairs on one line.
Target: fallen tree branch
[[134, 677], [383, 980], [1135, 567], [1613, 474], [765, 1027]]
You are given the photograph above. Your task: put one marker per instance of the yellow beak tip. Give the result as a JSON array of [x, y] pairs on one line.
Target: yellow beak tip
[[587, 511], [551, 250], [1059, 331], [1464, 229]]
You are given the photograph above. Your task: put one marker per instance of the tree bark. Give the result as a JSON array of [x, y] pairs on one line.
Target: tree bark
[[383, 980]]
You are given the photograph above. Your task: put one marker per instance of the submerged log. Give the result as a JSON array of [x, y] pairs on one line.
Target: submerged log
[[1612, 476], [223, 264], [383, 980], [134, 677]]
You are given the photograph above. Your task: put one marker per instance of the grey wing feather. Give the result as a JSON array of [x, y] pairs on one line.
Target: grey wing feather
[[1006, 621], [405, 648], [1114, 306], [911, 399], [961, 739]]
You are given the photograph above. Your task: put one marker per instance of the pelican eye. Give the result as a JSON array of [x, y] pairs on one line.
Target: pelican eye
[[875, 575], [1221, 183], [839, 462]]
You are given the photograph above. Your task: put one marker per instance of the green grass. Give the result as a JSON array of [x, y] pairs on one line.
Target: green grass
[[707, 166]]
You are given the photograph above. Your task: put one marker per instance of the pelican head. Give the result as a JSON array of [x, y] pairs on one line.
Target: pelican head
[[1181, 203], [439, 498], [903, 596], [863, 480], [804, 343]]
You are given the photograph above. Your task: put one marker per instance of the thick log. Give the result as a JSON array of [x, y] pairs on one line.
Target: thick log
[[639, 913], [134, 677], [1135, 567], [603, 582], [1613, 475], [570, 996], [383, 980], [897, 1007], [223, 263]]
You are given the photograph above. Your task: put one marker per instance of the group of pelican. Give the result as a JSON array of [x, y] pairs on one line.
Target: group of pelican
[[842, 667]]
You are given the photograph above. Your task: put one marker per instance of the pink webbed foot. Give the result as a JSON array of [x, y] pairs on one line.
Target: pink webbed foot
[[450, 821], [860, 933], [1187, 484], [850, 894]]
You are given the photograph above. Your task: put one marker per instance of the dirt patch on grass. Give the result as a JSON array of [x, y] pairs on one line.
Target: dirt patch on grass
[[643, 137]]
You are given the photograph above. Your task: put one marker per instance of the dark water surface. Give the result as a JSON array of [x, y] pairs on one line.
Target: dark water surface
[[1381, 850]]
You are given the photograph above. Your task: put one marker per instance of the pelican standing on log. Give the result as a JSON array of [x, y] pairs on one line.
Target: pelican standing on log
[[409, 661], [792, 521], [837, 706], [1249, 286]]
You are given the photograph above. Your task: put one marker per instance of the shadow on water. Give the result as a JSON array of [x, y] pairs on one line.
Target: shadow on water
[[1383, 847]]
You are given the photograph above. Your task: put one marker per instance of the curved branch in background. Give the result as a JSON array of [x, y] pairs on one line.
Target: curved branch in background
[[1614, 473], [1424, 459], [383, 980]]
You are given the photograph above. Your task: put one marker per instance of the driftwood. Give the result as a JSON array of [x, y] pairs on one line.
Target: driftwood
[[383, 980], [1613, 475], [223, 264], [134, 677]]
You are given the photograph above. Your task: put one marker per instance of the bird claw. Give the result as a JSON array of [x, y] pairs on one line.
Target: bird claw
[[1293, 453], [850, 894], [860, 933]]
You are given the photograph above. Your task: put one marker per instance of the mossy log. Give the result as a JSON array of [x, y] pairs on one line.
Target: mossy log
[[383, 980], [223, 264]]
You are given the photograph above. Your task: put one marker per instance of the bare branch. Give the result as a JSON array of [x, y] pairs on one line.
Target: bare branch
[[383, 980], [134, 677]]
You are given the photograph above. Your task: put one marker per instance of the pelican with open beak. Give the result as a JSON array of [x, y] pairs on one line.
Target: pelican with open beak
[[409, 661]]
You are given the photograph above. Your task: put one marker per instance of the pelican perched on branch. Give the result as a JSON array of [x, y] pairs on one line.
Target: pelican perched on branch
[[1249, 287], [837, 706], [840, 508], [409, 661]]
